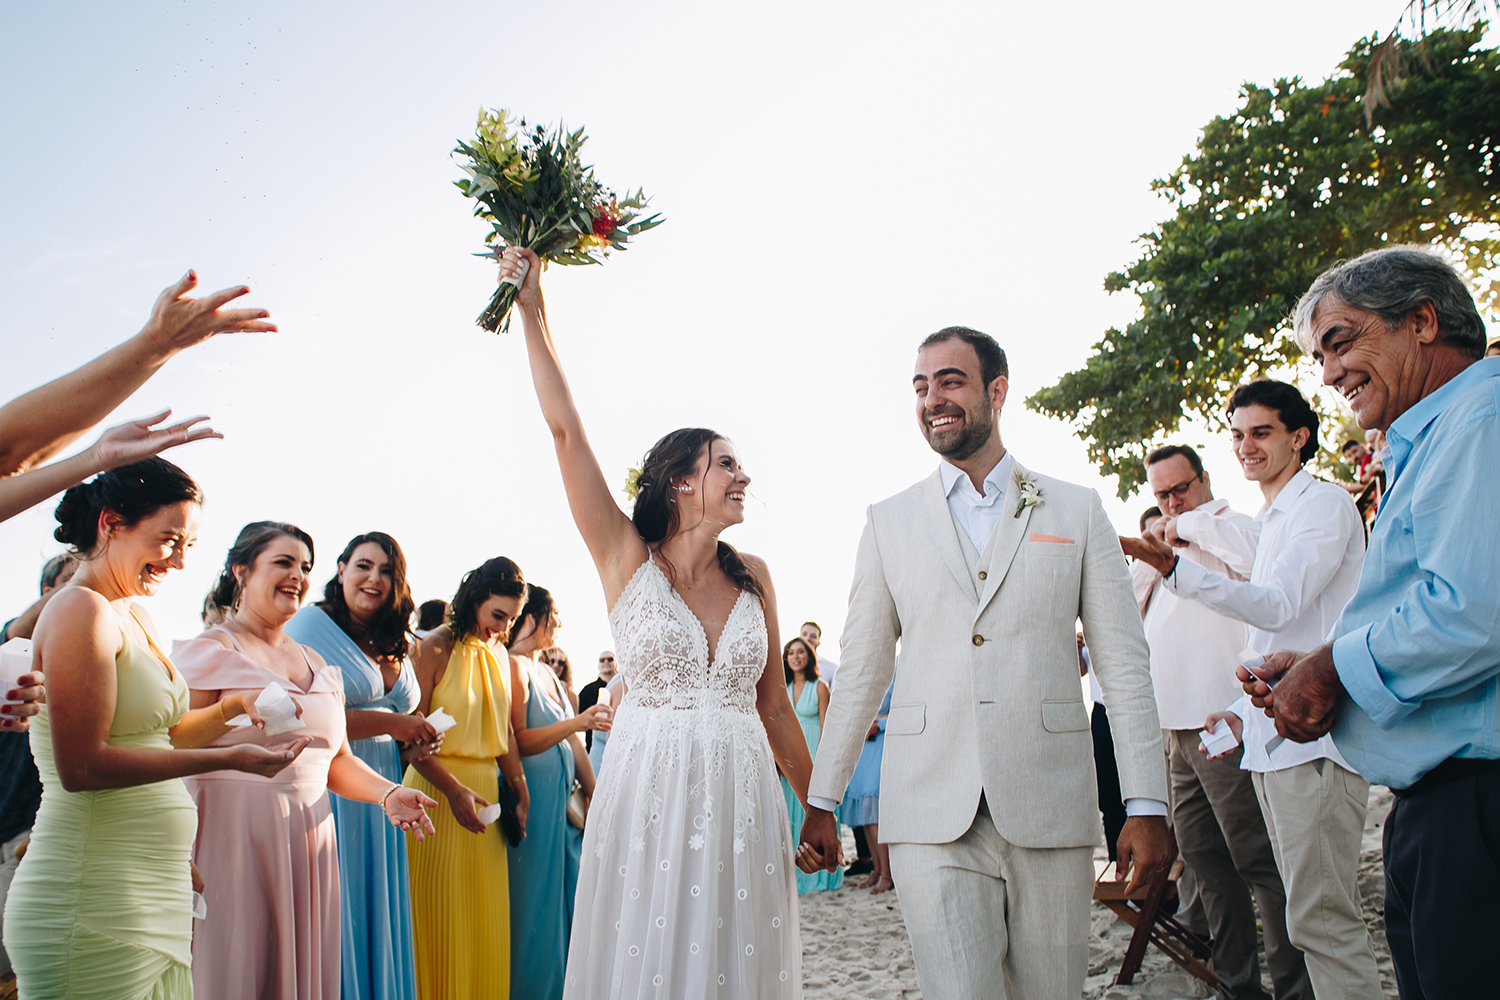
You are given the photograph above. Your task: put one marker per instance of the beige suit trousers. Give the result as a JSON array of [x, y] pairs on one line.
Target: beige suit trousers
[[1315, 815], [992, 921]]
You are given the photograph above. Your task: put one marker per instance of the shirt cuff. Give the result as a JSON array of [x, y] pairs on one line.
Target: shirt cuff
[[818, 802], [1186, 577], [1145, 807], [1360, 676]]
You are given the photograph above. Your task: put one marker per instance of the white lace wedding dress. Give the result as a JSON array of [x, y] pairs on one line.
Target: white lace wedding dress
[[687, 887]]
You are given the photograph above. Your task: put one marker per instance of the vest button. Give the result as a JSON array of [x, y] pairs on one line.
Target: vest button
[[982, 574], [978, 640]]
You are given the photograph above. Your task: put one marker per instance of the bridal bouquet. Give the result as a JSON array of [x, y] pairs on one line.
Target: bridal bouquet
[[534, 191]]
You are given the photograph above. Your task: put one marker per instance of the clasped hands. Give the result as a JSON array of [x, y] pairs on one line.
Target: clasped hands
[[1154, 545]]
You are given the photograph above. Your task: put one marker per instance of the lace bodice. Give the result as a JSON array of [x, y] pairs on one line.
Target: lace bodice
[[663, 649]]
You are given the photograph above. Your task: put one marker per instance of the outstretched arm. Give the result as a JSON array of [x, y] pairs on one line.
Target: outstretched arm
[[41, 423], [129, 442], [611, 538]]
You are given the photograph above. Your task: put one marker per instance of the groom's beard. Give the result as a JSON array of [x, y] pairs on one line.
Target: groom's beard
[[974, 430]]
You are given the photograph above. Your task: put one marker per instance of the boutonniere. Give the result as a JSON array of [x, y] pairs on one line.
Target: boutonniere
[[1030, 493]]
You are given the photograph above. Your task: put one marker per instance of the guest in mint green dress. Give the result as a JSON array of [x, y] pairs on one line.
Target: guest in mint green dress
[[544, 868], [809, 697], [360, 627]]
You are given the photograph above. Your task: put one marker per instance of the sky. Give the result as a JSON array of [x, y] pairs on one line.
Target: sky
[[837, 179]]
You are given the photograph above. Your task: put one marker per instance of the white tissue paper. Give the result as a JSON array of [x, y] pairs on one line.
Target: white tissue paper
[[277, 710], [1219, 739], [200, 906], [15, 660], [489, 814], [1251, 660], [442, 721]]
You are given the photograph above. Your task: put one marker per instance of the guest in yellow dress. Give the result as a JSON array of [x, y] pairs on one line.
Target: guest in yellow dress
[[102, 905], [460, 890]]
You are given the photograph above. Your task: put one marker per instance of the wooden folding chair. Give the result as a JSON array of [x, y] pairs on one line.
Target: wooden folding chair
[[1142, 910]]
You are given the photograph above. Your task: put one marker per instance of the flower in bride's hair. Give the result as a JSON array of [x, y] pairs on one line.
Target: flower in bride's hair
[[634, 483]]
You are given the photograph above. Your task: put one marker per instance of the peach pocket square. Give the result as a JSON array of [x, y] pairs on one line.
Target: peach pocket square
[[1049, 539]]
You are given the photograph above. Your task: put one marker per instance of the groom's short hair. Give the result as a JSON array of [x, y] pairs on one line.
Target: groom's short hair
[[992, 363]]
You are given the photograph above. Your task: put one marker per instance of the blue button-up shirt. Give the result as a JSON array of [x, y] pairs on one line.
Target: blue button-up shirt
[[1418, 647]]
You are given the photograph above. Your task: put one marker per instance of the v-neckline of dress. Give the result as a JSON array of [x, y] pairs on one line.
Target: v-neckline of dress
[[713, 655]]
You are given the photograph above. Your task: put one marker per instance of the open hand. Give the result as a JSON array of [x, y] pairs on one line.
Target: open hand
[[1145, 848], [252, 758], [406, 808], [178, 322], [141, 439]]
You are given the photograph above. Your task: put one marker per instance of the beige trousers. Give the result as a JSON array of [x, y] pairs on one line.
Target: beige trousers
[[1315, 815], [992, 921]]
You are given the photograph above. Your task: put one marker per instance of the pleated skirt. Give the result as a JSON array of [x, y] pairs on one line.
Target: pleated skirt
[[460, 895]]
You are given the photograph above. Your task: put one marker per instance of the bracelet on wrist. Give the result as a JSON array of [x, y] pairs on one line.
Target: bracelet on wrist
[[387, 795], [222, 718]]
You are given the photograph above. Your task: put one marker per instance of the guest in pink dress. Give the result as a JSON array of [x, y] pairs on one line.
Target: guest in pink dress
[[266, 846]]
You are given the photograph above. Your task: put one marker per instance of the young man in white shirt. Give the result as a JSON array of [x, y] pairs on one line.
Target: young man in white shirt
[[1308, 556], [1215, 813]]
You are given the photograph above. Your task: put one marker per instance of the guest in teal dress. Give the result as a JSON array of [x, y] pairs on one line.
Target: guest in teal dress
[[544, 869], [360, 626], [861, 807], [810, 700]]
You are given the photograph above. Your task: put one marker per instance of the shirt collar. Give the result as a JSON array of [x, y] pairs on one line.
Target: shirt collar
[[1405, 429], [995, 482], [1294, 488]]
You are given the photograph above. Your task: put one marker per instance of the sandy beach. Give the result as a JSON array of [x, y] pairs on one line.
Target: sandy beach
[[854, 945]]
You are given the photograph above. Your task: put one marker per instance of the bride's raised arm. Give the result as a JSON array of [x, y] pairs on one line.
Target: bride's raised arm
[[611, 537]]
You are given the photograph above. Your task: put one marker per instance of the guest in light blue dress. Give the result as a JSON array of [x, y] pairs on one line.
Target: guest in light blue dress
[[861, 805], [544, 869], [809, 697], [360, 627]]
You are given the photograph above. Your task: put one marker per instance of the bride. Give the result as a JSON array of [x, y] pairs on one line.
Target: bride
[[687, 887]]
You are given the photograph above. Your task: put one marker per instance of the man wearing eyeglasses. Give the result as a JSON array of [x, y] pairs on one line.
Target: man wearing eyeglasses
[[1216, 816], [589, 696]]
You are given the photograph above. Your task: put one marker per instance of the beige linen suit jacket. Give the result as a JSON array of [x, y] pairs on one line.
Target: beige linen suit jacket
[[987, 698]]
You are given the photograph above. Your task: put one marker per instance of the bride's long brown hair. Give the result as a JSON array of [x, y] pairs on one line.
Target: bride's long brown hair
[[656, 515]]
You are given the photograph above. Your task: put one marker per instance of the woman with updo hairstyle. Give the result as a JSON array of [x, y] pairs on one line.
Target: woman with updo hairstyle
[[544, 869], [266, 847], [360, 627], [460, 886], [687, 884], [101, 907]]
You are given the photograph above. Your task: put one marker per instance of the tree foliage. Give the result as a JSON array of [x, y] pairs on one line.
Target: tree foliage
[[1292, 182]]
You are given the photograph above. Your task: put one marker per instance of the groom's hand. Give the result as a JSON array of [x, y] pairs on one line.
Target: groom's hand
[[820, 848], [1146, 847]]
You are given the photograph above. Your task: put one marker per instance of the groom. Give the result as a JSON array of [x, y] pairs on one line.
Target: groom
[[987, 794]]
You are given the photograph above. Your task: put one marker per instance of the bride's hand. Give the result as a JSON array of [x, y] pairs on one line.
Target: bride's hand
[[530, 292]]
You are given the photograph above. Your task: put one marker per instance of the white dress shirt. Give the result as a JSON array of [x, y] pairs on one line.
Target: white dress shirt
[[1307, 565], [976, 515], [1194, 649]]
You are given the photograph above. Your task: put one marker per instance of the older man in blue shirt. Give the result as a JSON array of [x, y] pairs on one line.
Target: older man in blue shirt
[[1410, 684]]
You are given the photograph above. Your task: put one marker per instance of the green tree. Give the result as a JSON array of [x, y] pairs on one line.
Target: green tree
[[1292, 182]]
